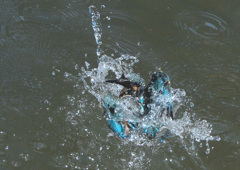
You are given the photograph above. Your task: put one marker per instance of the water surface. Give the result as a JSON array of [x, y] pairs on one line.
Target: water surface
[[49, 120]]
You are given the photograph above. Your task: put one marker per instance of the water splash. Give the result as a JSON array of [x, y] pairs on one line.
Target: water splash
[[186, 128], [96, 25]]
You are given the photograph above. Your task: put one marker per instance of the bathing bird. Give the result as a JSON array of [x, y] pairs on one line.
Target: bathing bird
[[126, 112]]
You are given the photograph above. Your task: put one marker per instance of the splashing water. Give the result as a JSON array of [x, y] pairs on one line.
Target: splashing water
[[96, 25], [185, 127]]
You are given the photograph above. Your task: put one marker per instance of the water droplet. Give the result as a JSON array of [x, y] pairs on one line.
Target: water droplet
[[96, 25], [47, 102], [26, 157], [218, 138], [3, 135], [3, 162], [16, 163], [191, 104], [22, 18], [207, 151], [130, 164], [87, 65], [50, 119], [92, 159], [182, 158], [92, 81]]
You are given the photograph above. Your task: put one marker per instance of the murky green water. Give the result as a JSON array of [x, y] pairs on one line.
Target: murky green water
[[48, 120]]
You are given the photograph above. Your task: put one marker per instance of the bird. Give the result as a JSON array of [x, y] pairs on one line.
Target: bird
[[136, 95]]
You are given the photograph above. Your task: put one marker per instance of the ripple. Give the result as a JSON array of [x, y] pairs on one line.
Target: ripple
[[121, 18], [118, 25], [120, 46], [44, 17], [207, 26], [39, 146]]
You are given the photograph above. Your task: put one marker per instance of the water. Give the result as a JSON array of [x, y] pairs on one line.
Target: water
[[51, 118]]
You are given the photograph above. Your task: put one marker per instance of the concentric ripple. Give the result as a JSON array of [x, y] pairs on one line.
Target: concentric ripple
[[207, 26]]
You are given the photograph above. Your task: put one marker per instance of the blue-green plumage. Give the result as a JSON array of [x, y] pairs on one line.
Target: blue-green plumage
[[116, 118]]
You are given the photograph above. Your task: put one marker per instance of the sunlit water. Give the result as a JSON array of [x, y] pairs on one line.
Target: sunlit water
[[56, 56]]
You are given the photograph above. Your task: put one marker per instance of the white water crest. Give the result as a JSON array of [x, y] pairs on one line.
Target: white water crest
[[186, 127]]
